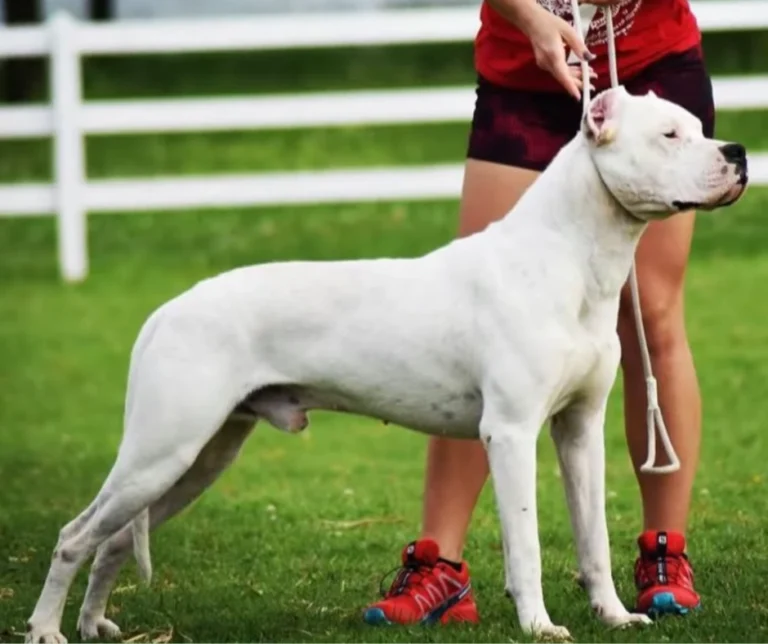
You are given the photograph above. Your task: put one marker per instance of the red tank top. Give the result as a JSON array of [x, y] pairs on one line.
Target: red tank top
[[645, 32]]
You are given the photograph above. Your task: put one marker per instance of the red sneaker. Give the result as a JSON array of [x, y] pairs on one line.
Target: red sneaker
[[426, 590], [663, 575]]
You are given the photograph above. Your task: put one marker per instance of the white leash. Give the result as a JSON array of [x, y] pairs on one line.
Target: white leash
[[654, 419]]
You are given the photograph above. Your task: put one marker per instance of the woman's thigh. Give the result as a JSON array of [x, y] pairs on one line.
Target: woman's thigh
[[682, 79], [662, 255], [489, 192], [514, 136]]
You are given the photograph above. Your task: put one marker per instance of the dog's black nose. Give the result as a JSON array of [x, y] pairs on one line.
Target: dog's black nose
[[734, 153]]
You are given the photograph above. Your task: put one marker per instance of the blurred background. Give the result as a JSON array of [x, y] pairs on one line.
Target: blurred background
[[151, 9], [292, 541]]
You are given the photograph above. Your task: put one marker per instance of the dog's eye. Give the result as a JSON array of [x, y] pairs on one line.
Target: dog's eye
[[671, 134]]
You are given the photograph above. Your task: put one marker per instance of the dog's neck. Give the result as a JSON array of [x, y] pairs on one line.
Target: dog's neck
[[605, 236]]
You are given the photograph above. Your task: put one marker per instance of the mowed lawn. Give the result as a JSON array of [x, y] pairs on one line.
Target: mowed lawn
[[292, 542]]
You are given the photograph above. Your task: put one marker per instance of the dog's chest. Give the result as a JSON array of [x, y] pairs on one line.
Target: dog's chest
[[588, 352]]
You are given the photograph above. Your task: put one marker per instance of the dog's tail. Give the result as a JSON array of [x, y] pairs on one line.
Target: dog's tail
[[140, 524], [140, 530]]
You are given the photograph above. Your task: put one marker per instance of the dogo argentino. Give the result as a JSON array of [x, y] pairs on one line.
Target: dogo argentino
[[490, 336]]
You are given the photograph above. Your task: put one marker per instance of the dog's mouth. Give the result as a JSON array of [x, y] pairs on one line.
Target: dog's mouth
[[731, 196], [687, 205], [734, 194]]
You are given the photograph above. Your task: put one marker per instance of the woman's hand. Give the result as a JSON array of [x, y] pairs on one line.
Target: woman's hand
[[549, 35]]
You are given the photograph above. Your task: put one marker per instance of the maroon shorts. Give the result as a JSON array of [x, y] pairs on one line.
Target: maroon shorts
[[527, 129]]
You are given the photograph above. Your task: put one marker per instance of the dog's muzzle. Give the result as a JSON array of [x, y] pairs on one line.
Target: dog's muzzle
[[735, 155]]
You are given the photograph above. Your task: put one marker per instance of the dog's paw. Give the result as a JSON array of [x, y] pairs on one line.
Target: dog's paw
[[97, 628], [550, 633], [613, 613], [627, 619], [619, 617], [44, 635]]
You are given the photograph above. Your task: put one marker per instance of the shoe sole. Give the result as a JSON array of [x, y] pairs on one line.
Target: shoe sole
[[665, 604], [376, 617]]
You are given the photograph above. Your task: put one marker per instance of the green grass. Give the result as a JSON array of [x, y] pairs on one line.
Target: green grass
[[262, 556]]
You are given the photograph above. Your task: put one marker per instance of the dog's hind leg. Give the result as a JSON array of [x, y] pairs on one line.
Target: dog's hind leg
[[578, 433], [78, 522], [122, 500], [215, 457], [174, 413], [54, 601]]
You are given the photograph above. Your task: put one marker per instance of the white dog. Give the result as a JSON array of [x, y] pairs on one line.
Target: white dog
[[491, 336]]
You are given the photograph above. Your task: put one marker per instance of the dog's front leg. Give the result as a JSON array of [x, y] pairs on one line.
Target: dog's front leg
[[578, 433], [512, 458]]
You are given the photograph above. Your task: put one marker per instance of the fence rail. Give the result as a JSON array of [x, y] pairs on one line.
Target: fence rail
[[413, 183], [315, 109], [68, 119]]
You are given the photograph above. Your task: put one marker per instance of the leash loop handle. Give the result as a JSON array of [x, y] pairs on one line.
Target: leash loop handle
[[654, 418]]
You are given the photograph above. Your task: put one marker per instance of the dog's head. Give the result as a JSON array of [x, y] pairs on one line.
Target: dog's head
[[654, 158]]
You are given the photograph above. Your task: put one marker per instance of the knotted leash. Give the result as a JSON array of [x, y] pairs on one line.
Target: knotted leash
[[654, 419]]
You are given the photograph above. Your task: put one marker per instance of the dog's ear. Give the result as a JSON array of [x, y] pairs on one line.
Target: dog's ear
[[600, 119]]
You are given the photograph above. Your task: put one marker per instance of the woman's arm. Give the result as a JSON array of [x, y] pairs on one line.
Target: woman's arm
[[549, 34]]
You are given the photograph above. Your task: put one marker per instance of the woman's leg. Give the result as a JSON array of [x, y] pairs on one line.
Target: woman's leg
[[457, 469], [661, 261], [513, 133]]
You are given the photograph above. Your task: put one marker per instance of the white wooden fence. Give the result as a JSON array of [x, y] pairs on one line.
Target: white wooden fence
[[68, 119]]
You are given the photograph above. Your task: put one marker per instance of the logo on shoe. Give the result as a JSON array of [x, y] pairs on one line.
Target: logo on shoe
[[437, 595]]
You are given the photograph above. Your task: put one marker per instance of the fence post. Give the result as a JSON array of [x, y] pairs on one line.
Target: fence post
[[68, 145]]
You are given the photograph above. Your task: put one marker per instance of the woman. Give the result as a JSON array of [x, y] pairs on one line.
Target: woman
[[527, 108]]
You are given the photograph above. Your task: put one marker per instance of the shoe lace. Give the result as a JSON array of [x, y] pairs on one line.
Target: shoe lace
[[408, 577], [651, 570]]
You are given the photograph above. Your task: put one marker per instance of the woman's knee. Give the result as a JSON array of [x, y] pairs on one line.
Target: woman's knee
[[663, 323], [661, 260]]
